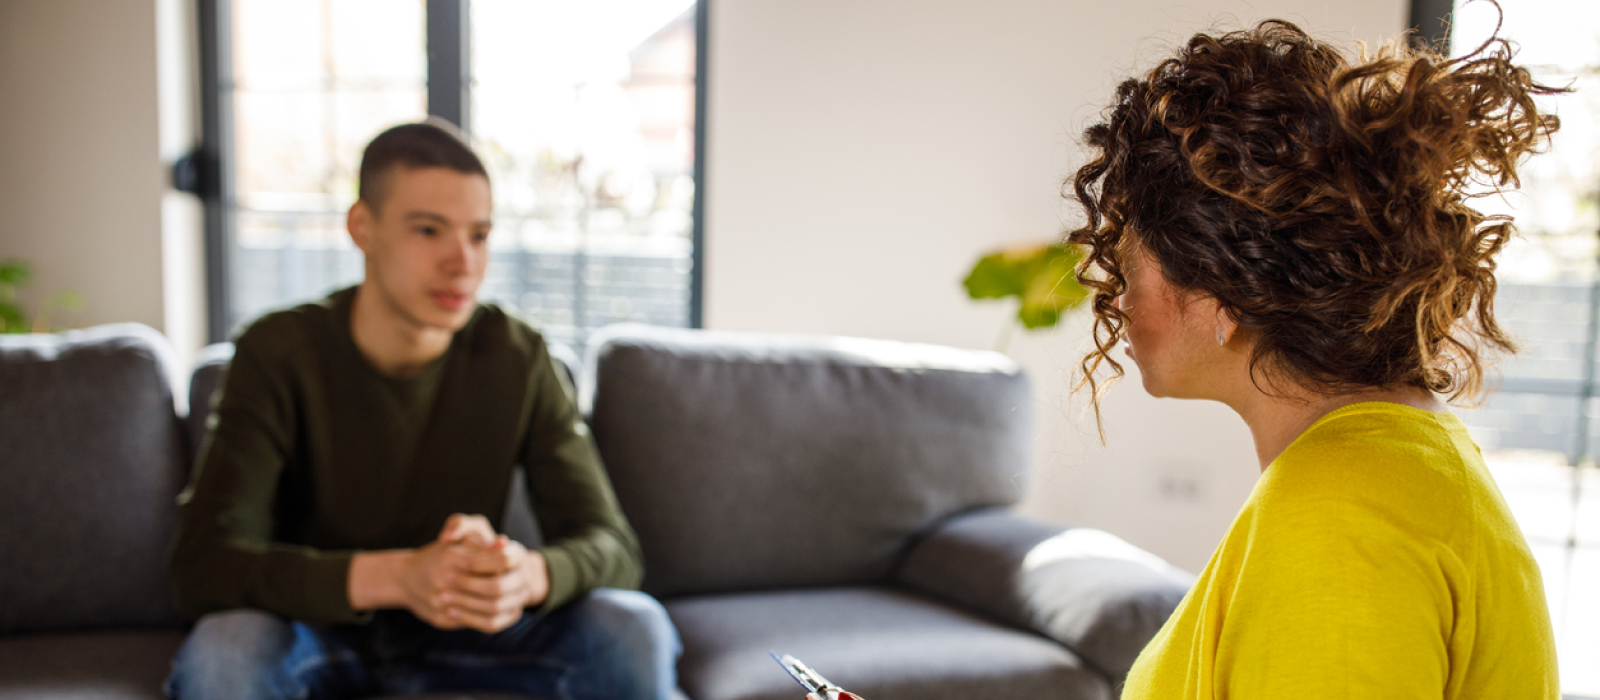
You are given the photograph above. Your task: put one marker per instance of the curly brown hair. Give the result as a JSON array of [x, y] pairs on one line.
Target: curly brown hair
[[1323, 202]]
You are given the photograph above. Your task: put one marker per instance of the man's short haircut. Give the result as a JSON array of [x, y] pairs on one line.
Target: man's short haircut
[[431, 144]]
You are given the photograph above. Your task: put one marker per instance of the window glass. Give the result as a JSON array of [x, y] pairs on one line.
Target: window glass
[[313, 81], [584, 114], [1539, 432]]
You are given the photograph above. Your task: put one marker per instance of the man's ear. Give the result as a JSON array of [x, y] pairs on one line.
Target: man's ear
[[359, 223]]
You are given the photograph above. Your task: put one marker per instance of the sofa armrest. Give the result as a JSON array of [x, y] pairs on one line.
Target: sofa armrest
[[1094, 593], [210, 366]]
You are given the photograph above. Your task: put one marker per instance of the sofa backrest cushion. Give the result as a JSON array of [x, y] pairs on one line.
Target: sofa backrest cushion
[[749, 461], [93, 461]]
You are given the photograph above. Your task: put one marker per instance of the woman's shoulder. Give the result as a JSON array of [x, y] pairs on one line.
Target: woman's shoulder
[[1380, 466], [1372, 444]]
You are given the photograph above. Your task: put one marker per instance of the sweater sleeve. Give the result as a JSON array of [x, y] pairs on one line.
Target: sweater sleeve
[[224, 555], [589, 543]]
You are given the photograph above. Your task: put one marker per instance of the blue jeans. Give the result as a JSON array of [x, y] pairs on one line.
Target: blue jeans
[[608, 644]]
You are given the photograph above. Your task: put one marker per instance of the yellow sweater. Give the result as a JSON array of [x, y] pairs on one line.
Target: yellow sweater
[[1374, 559]]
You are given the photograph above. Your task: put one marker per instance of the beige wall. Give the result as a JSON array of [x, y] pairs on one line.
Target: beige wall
[[862, 154], [81, 180], [96, 98]]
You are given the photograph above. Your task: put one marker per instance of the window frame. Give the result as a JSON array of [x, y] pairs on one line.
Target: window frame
[[1431, 20], [449, 75]]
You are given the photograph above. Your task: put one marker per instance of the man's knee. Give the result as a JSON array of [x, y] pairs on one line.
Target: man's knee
[[229, 655], [631, 615], [636, 644], [622, 607]]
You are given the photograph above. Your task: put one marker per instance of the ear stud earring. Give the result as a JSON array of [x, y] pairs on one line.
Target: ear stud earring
[[1221, 340]]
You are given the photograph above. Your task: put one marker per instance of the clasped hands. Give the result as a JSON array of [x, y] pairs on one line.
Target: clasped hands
[[472, 577], [468, 577]]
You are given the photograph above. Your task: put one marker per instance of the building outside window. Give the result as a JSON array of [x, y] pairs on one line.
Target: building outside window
[[583, 111], [1541, 430]]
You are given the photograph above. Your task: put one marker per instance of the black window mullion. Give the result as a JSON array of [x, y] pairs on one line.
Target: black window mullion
[[449, 67], [697, 256], [216, 161], [1431, 20]]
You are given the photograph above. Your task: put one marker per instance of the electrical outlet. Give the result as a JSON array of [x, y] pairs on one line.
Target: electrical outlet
[[1180, 488]]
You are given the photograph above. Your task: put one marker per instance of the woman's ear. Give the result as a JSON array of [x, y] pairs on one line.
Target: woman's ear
[[1226, 327]]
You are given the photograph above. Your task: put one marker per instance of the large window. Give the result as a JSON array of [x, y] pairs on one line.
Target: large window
[[1541, 430], [583, 110]]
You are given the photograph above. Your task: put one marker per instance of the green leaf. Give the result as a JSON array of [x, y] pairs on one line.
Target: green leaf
[[1052, 289], [15, 272], [14, 275], [1040, 276], [11, 319], [998, 275]]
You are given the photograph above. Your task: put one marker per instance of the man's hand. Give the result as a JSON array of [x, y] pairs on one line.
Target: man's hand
[[461, 528], [496, 584], [427, 578], [467, 577]]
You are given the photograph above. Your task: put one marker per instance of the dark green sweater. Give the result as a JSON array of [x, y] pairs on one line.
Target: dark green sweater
[[314, 455]]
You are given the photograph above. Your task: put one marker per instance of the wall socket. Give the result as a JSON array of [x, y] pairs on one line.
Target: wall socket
[[1180, 488]]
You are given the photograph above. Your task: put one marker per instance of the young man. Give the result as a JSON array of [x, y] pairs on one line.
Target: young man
[[322, 536]]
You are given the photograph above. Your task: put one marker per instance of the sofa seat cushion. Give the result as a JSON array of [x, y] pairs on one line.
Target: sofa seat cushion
[[882, 643], [113, 665]]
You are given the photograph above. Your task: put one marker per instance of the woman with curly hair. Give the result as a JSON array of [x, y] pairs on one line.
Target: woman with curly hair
[[1280, 227]]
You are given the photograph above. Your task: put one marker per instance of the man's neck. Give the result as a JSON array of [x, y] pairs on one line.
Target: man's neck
[[394, 345]]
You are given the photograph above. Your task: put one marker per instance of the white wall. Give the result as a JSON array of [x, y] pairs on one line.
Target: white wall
[[862, 154]]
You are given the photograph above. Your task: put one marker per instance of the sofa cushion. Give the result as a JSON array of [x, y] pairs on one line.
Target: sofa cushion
[[93, 462], [120, 665], [750, 461], [881, 643]]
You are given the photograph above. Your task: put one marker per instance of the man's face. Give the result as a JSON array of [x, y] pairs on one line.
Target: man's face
[[426, 245]]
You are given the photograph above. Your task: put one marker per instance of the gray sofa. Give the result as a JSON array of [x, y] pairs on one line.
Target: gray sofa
[[837, 499]]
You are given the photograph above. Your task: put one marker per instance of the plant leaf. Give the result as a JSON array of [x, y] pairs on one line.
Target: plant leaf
[[15, 272], [1040, 276], [1052, 288], [1001, 274], [11, 319]]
